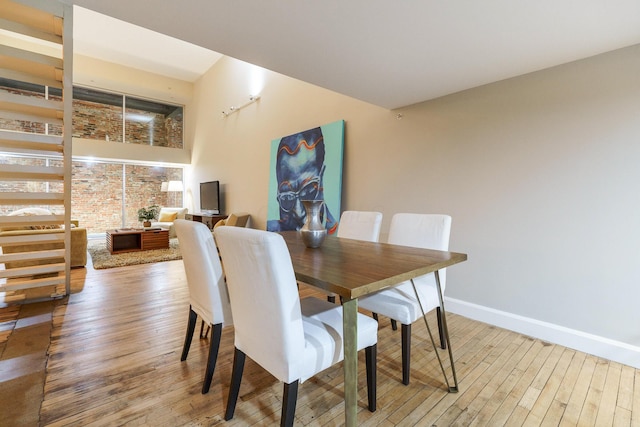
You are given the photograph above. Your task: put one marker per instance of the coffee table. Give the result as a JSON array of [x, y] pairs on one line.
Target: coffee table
[[136, 239]]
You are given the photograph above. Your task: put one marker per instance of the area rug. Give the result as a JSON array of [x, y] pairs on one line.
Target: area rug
[[103, 259]]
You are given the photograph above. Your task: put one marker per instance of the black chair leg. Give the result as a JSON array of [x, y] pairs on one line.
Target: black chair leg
[[214, 345], [191, 326], [370, 357], [375, 316], [406, 353], [394, 325], [234, 387], [331, 299], [289, 400], [443, 342]]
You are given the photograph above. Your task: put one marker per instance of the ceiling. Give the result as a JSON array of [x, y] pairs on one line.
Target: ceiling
[[388, 53]]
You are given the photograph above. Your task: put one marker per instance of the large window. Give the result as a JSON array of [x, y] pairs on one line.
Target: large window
[[152, 123], [106, 116], [110, 117], [104, 195], [108, 195], [97, 115]]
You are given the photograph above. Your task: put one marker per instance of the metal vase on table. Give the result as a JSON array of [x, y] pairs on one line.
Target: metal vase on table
[[313, 231]]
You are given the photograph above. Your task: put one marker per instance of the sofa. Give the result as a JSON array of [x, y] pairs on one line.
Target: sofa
[[78, 240], [166, 216]]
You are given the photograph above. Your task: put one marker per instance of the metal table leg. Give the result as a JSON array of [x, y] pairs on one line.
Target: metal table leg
[[451, 389], [350, 331]]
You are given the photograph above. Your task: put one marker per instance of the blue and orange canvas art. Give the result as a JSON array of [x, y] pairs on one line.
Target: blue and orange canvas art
[[306, 165]]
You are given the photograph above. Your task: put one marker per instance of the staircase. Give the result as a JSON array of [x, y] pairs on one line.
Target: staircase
[[36, 52]]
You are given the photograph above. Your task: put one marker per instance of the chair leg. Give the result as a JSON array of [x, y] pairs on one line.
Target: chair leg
[[375, 316], [234, 387], [331, 299], [406, 353], [289, 399], [443, 342], [371, 356], [214, 345], [206, 333], [191, 326], [394, 325]]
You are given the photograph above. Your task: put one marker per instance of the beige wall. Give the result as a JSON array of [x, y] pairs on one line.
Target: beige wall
[[91, 72], [539, 172]]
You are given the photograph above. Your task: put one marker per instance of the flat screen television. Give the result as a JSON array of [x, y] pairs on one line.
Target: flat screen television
[[210, 197]]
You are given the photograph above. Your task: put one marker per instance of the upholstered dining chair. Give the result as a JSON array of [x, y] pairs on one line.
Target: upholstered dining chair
[[208, 297], [292, 339], [399, 302], [359, 225], [236, 219]]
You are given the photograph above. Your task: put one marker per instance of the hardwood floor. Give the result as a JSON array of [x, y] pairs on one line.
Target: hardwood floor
[[114, 359]]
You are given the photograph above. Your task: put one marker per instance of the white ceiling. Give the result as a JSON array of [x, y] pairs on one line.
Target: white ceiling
[[388, 53], [101, 36]]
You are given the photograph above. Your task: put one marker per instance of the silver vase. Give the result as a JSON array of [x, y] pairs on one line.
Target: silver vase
[[313, 232]]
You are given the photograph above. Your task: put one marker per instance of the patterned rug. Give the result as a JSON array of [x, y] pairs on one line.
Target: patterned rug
[[103, 259]]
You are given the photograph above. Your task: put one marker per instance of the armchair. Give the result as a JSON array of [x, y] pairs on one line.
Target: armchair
[[236, 219]]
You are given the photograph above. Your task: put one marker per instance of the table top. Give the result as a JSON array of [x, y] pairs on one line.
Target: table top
[[354, 268], [136, 230]]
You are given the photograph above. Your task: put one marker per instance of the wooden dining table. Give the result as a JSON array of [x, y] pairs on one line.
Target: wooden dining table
[[354, 268]]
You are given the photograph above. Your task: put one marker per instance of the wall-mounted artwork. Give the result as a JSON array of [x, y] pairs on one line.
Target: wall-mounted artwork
[[306, 166]]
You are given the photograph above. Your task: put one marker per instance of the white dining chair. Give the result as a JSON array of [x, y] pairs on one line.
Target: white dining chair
[[358, 225], [208, 297], [292, 339], [399, 302]]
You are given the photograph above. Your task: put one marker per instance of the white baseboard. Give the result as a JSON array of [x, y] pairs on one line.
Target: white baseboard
[[592, 344]]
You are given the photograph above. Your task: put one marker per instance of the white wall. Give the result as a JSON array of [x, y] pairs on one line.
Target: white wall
[[539, 172]]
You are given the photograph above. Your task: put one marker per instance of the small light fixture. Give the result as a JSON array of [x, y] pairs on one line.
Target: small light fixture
[[233, 109]]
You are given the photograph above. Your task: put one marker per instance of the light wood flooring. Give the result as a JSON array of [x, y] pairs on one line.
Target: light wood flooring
[[114, 359]]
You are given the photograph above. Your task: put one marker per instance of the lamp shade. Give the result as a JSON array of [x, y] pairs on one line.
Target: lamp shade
[[175, 186]]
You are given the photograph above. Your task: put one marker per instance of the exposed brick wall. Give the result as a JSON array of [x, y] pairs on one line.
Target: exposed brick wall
[[103, 122], [21, 186], [97, 121], [97, 195], [143, 127]]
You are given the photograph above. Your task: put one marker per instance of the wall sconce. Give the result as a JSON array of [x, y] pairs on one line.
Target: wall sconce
[[232, 109]]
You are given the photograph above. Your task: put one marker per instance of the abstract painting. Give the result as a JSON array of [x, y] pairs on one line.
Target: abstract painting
[[306, 165]]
